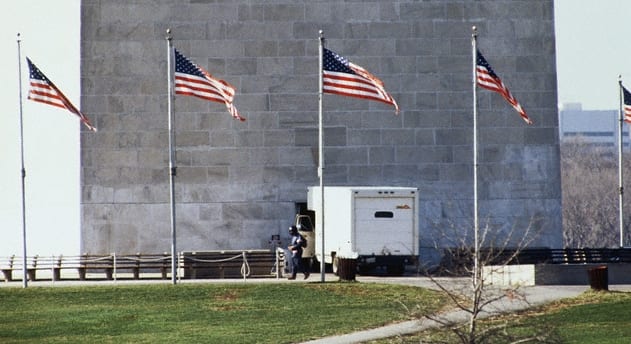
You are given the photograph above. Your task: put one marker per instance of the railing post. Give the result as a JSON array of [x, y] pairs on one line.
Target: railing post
[[277, 263], [32, 271], [82, 268], [137, 266], [52, 267], [163, 269], [57, 271], [114, 267], [8, 273], [244, 267], [180, 265]]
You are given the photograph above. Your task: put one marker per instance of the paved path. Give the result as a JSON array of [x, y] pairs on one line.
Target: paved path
[[530, 297]]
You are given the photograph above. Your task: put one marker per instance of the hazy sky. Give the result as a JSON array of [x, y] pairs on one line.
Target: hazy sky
[[591, 53], [50, 38], [591, 37]]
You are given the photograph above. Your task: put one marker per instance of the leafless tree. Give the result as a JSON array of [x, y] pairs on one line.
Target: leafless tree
[[476, 298], [589, 183], [590, 189]]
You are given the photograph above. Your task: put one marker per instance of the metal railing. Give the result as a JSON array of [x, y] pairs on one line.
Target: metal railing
[[248, 263]]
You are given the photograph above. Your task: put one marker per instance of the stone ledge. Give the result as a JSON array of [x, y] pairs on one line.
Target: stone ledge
[[552, 274]]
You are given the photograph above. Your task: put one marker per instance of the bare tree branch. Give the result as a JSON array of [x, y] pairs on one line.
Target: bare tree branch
[[478, 297], [589, 183]]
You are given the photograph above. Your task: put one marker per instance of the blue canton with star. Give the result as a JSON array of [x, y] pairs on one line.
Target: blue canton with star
[[183, 65], [335, 63], [481, 61]]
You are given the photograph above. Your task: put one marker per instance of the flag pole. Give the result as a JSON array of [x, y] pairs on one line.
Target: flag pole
[[476, 256], [620, 184], [23, 170], [321, 153], [172, 167]]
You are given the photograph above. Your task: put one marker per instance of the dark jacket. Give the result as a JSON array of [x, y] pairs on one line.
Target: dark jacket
[[295, 245]]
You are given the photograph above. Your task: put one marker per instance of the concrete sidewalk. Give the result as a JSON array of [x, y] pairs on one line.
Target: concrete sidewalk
[[532, 296]]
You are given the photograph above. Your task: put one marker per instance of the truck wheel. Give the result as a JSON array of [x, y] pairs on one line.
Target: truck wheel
[[364, 269], [314, 264], [395, 270]]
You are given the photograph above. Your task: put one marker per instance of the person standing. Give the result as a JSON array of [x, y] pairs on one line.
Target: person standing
[[295, 247]]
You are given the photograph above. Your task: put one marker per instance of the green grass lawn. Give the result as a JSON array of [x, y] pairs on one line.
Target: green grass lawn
[[592, 318], [211, 313]]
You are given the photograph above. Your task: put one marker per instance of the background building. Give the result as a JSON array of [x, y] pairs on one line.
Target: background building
[[239, 183], [598, 127]]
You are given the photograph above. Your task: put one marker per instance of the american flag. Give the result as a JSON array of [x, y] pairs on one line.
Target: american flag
[[627, 104], [345, 78], [193, 80], [486, 78], [44, 91]]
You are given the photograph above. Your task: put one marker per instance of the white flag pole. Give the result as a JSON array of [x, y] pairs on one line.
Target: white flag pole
[[321, 154], [23, 170], [476, 229], [620, 184], [172, 167]]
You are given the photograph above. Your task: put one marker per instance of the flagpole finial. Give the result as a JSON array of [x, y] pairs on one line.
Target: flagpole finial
[[168, 34], [18, 36], [474, 29]]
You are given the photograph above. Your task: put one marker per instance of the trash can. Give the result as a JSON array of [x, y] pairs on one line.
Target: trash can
[[346, 269], [598, 278]]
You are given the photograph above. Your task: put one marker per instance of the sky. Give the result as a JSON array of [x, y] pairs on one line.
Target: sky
[[591, 54], [592, 51], [49, 32]]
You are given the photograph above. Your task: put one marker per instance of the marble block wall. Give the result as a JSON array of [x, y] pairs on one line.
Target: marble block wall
[[238, 183]]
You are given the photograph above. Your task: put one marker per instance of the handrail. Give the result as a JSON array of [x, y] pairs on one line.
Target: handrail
[[112, 263], [557, 256], [212, 260]]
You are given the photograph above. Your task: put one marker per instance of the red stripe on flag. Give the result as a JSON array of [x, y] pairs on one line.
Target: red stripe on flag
[[348, 79], [44, 91], [193, 80], [486, 78]]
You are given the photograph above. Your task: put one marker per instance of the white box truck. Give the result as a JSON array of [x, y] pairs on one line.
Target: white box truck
[[376, 225]]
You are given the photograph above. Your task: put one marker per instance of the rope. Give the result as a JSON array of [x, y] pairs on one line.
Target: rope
[[114, 261], [140, 260], [245, 267], [95, 259], [212, 260]]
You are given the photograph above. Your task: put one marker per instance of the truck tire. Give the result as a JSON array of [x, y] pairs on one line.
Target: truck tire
[[364, 269], [314, 264], [395, 269]]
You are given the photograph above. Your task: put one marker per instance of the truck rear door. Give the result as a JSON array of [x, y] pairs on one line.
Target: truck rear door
[[384, 225]]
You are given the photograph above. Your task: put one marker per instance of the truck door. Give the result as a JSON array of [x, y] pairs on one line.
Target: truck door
[[384, 225]]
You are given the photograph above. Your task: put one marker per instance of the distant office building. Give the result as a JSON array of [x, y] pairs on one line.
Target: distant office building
[[598, 127]]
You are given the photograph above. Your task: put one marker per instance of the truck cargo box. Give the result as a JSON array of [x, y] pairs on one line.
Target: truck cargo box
[[376, 225]]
